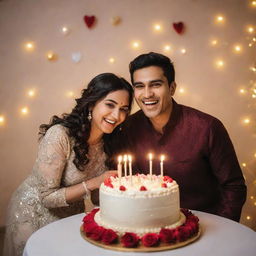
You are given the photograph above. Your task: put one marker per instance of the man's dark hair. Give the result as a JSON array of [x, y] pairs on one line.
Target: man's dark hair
[[153, 59]]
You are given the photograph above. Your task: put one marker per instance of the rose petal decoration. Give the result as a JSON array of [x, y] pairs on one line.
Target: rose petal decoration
[[166, 235], [89, 20], [150, 239], [129, 240], [115, 20], [76, 56], [178, 27], [109, 236]]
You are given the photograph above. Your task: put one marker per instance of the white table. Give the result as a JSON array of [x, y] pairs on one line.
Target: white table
[[220, 237]]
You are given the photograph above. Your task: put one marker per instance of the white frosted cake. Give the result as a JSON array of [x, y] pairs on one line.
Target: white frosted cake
[[140, 210], [141, 205]]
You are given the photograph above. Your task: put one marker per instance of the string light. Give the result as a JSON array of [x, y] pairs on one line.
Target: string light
[[214, 42], [244, 164], [135, 44], [65, 30], [253, 3], [111, 60], [70, 94], [167, 48], [31, 93], [51, 56], [24, 111], [157, 27], [181, 90], [29, 46], [237, 48], [183, 51], [252, 197], [248, 217], [250, 29], [253, 69], [2, 120], [242, 91], [219, 63], [246, 121], [219, 19]]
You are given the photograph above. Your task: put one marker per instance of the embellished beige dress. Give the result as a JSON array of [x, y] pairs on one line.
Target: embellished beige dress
[[40, 199]]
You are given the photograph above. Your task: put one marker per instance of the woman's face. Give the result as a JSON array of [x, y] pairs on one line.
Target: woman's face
[[110, 112]]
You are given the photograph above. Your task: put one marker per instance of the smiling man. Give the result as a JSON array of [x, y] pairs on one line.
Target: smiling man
[[199, 153]]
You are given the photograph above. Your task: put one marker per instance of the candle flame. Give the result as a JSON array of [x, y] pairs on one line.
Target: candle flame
[[120, 158], [125, 158], [129, 158], [162, 158], [150, 155]]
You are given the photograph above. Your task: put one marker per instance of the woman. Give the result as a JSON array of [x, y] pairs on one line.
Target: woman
[[72, 161]]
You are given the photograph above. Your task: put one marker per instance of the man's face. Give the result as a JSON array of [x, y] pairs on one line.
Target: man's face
[[152, 92]]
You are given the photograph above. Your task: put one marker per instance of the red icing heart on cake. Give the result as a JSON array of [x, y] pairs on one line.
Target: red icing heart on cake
[[89, 20], [178, 27]]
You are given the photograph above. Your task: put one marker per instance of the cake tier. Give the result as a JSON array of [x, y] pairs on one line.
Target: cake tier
[[145, 204]]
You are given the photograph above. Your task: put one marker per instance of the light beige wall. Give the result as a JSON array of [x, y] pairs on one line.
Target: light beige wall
[[207, 88]]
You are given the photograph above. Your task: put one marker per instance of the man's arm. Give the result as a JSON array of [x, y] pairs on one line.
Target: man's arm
[[226, 168]]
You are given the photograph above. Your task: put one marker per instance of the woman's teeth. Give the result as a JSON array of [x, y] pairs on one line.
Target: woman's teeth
[[110, 121]]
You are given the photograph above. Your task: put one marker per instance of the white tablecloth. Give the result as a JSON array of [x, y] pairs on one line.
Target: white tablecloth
[[220, 237]]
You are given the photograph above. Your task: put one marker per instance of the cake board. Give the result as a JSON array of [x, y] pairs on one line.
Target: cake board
[[141, 247]]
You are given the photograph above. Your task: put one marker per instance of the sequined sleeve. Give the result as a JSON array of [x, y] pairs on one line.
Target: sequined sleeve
[[50, 164]]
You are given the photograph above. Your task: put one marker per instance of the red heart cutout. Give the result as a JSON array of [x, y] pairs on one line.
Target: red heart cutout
[[89, 20], [179, 27]]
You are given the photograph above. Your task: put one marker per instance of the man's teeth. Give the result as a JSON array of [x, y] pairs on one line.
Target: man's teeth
[[150, 102], [110, 121]]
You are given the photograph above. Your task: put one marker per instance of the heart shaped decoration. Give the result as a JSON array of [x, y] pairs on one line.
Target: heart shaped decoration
[[115, 20], [178, 27], [76, 56], [89, 20]]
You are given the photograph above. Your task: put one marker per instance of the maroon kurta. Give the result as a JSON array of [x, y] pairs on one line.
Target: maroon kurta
[[199, 156]]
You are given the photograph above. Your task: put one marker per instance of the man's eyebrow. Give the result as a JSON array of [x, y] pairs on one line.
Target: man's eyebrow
[[157, 80], [152, 81]]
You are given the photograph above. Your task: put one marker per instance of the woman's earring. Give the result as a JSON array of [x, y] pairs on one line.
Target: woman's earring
[[89, 117]]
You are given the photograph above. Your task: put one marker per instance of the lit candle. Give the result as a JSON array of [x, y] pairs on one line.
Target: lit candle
[[119, 168], [162, 165], [125, 165], [150, 163], [130, 167]]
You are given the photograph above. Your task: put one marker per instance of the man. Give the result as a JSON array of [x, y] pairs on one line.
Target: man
[[199, 153]]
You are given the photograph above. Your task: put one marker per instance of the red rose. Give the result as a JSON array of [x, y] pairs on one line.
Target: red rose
[[185, 232], [186, 212], [177, 234], [129, 239], [193, 218], [168, 179], [94, 211], [143, 188], [89, 218], [166, 235], [122, 188], [88, 227], [150, 239], [193, 227], [96, 233], [109, 236]]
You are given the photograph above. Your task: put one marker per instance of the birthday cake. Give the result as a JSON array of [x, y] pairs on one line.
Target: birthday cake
[[140, 210]]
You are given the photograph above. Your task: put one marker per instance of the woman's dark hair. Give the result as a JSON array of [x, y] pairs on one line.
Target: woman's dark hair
[[78, 125], [153, 59]]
